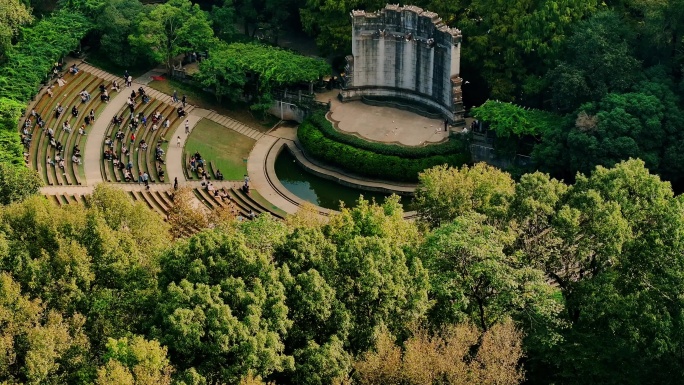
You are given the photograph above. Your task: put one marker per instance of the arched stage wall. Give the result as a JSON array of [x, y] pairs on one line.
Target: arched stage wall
[[406, 53]]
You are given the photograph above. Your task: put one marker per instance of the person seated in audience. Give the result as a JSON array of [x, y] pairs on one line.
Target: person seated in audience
[[60, 81], [58, 110], [58, 147], [85, 96], [61, 164], [197, 155], [49, 91], [160, 159], [107, 155], [156, 116], [193, 164], [115, 86], [219, 176], [160, 172], [92, 115], [210, 187], [66, 127], [49, 161], [73, 69], [26, 140], [76, 159], [87, 120], [181, 112], [119, 134], [53, 143], [143, 145], [81, 130], [167, 123], [40, 122], [251, 214], [141, 90], [159, 150], [74, 111], [127, 176], [102, 88], [124, 150], [133, 95], [104, 96], [76, 150], [121, 165], [115, 161], [129, 166], [108, 142]]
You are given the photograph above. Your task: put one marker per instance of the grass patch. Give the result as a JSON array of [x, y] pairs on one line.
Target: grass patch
[[226, 148], [204, 99]]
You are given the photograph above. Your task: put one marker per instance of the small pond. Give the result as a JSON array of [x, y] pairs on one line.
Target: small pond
[[321, 191]]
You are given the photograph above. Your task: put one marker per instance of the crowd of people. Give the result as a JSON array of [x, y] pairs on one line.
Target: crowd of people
[[136, 122]]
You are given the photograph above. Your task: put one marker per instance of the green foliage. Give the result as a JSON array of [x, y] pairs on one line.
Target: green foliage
[[453, 146], [366, 162], [14, 15], [30, 60], [170, 29], [508, 119], [117, 21], [222, 309], [17, 183]]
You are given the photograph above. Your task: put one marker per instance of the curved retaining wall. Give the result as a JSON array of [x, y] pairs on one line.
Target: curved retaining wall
[[333, 175]]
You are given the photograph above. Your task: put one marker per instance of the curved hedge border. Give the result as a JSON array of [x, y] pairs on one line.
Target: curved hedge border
[[452, 146], [368, 163]]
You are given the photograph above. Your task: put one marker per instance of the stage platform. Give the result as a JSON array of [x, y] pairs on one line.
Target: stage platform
[[383, 124]]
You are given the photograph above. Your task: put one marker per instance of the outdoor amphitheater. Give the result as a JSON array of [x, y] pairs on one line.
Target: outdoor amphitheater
[[155, 149]]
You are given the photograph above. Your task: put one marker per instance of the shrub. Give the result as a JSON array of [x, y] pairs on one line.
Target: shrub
[[369, 163], [452, 146]]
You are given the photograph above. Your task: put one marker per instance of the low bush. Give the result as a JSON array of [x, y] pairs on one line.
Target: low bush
[[369, 163], [452, 146]]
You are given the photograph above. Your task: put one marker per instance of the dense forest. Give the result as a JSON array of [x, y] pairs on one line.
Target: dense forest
[[498, 282], [569, 275]]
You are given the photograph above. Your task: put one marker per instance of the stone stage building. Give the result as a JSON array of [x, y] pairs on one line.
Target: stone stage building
[[408, 56]]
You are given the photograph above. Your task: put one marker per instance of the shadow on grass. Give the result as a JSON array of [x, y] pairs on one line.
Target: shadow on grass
[[203, 99]]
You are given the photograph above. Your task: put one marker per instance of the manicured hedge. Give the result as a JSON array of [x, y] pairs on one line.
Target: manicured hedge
[[453, 146], [368, 163]]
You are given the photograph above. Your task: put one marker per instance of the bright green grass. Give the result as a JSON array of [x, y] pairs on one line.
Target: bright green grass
[[226, 148]]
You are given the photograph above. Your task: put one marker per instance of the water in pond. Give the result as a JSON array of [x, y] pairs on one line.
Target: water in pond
[[321, 191]]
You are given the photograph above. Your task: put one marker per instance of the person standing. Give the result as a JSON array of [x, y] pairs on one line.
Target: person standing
[[175, 96], [184, 100], [178, 142], [187, 126], [175, 183]]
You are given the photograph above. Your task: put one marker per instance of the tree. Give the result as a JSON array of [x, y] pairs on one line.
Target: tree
[[170, 29], [458, 354], [222, 308], [508, 36], [474, 280], [507, 119], [17, 183], [445, 193], [135, 361], [117, 22], [223, 20], [14, 15], [599, 59]]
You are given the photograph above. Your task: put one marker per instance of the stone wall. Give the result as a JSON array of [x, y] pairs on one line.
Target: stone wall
[[407, 53]]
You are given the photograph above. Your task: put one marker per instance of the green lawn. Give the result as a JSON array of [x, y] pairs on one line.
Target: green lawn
[[203, 99], [226, 148]]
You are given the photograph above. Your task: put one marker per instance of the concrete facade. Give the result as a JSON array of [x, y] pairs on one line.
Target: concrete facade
[[405, 53]]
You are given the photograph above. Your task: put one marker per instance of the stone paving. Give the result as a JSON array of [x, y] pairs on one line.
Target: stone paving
[[383, 124]]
